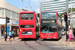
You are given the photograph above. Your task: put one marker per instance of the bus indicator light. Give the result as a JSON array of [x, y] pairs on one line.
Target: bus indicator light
[[20, 29], [55, 37]]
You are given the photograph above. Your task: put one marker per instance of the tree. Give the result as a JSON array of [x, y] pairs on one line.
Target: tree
[[69, 10]]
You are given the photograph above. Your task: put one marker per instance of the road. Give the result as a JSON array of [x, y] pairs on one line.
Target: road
[[30, 44]]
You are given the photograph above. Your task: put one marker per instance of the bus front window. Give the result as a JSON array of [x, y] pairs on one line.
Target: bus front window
[[48, 28], [52, 29], [26, 16], [44, 29]]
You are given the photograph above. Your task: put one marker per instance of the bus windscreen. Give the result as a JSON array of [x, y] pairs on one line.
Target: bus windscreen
[[48, 22], [26, 16], [48, 28]]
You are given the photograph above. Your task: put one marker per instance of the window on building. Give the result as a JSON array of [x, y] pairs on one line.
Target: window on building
[[13, 15], [69, 0], [7, 13], [17, 16], [1, 12]]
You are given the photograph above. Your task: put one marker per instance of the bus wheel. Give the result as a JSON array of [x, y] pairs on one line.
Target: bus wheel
[[22, 39], [60, 37]]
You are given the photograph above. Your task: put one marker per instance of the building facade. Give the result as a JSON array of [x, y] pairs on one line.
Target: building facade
[[56, 5], [7, 10]]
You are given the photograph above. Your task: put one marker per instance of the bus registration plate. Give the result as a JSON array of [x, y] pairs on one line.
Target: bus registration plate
[[48, 38], [27, 33]]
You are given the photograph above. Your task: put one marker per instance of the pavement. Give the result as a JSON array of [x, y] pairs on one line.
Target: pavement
[[2, 41], [16, 44], [63, 42]]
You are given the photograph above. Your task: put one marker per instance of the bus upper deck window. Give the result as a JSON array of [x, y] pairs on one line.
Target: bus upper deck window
[[26, 16]]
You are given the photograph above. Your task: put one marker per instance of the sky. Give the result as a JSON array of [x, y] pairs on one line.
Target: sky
[[33, 6]]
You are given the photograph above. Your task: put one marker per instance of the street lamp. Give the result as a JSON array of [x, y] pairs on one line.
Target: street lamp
[[71, 6], [67, 6]]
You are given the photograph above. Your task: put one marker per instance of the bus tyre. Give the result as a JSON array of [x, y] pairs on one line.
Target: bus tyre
[[22, 39], [59, 38]]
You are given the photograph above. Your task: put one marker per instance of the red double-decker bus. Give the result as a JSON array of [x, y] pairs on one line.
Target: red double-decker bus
[[50, 25], [27, 25]]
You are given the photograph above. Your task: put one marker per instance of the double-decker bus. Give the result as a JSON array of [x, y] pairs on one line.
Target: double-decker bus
[[27, 25], [50, 25]]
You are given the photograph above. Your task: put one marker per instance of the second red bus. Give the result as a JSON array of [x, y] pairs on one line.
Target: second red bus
[[50, 25]]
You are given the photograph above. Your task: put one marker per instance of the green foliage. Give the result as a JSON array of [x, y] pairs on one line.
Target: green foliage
[[69, 10], [61, 14], [73, 9]]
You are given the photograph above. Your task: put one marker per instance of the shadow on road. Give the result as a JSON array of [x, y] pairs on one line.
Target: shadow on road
[[28, 39], [51, 39]]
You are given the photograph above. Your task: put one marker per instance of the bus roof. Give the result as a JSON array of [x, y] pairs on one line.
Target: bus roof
[[48, 11], [27, 12]]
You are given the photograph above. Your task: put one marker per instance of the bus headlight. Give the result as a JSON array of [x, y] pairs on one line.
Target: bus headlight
[[54, 37], [20, 29]]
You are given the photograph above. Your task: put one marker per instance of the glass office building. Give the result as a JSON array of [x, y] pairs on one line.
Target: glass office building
[[56, 5]]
